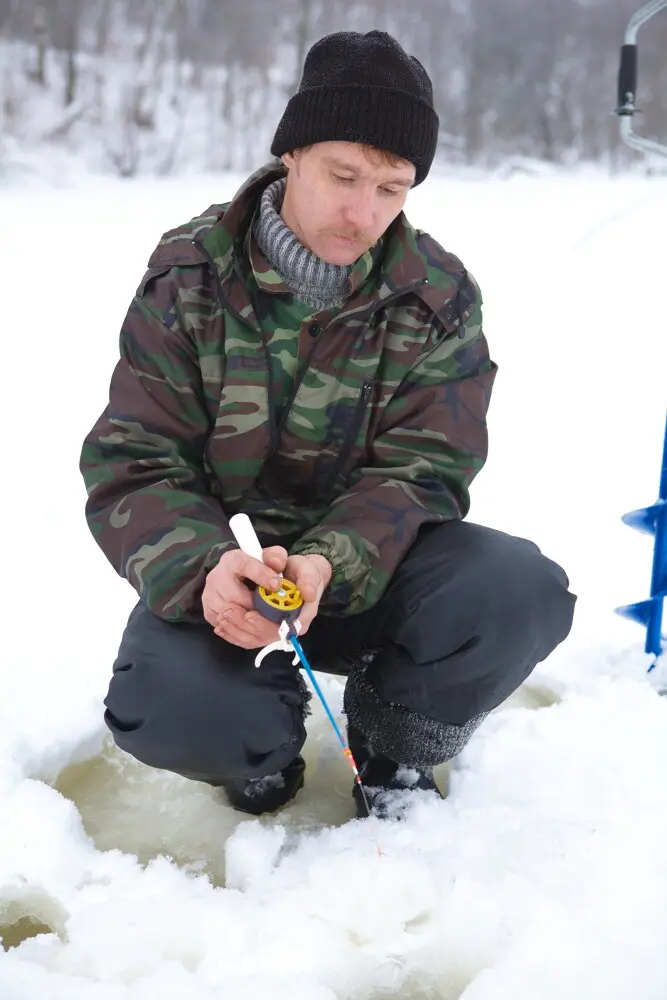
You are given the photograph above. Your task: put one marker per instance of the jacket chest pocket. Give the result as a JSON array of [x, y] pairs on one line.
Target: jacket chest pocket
[[325, 432], [347, 440]]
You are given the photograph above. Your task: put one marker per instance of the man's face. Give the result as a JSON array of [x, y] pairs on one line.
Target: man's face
[[339, 202]]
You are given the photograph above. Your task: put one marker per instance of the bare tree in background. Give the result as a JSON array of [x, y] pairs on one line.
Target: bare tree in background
[[40, 26], [71, 22], [301, 33]]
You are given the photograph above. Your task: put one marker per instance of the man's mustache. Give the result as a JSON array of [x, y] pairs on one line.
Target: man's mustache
[[357, 235]]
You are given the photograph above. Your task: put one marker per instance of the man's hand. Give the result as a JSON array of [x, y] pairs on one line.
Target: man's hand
[[311, 574], [228, 602]]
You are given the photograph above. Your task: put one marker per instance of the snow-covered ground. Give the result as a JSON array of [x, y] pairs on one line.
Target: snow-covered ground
[[543, 875]]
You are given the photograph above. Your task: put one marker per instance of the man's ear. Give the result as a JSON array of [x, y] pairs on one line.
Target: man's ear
[[288, 159]]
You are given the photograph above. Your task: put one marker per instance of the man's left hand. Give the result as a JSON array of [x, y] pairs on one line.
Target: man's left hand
[[311, 574]]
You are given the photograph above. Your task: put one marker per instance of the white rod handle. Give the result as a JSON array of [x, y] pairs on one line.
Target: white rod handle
[[246, 536]]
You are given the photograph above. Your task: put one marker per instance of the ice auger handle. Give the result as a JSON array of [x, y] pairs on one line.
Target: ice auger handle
[[627, 80], [626, 106]]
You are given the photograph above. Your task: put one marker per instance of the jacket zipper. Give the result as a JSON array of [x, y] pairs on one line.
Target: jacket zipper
[[273, 428], [351, 438], [366, 389]]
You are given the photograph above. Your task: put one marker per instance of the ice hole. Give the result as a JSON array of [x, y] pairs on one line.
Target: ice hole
[[12, 935], [28, 914]]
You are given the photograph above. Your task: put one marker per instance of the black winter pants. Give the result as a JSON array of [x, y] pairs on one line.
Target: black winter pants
[[467, 616]]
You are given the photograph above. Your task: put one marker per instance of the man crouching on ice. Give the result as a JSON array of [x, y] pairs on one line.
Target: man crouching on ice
[[305, 356]]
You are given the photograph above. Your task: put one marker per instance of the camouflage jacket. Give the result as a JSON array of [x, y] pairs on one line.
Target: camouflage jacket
[[383, 432]]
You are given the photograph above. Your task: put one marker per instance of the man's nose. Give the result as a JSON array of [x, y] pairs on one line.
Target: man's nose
[[359, 211]]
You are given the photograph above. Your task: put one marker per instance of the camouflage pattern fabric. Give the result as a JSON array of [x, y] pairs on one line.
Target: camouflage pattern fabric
[[382, 430]]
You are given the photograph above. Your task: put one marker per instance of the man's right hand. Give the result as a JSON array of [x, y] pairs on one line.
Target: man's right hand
[[226, 599]]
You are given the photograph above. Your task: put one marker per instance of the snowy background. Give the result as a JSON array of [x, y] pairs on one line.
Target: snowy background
[[145, 87], [543, 875]]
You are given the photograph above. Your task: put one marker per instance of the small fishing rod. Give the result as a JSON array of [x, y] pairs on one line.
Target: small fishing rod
[[282, 607]]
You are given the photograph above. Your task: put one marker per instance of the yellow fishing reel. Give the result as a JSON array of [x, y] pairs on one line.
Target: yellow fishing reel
[[279, 605]]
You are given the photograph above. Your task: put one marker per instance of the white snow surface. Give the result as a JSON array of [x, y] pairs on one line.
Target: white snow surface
[[543, 874]]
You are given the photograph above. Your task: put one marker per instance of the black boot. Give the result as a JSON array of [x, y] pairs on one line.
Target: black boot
[[387, 785], [267, 794]]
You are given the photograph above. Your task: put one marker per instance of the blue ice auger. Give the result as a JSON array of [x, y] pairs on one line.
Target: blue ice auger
[[650, 520]]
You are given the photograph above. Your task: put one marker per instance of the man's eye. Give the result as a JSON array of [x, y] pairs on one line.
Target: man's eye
[[344, 180], [388, 191]]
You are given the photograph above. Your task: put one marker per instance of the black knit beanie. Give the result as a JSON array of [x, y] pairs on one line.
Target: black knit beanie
[[362, 88]]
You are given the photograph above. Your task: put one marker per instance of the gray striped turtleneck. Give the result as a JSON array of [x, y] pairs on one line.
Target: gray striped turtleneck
[[307, 276]]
